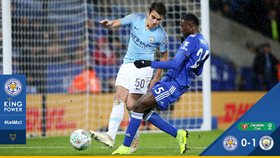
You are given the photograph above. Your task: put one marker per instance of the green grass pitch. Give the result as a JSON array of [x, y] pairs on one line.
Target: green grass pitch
[[150, 144]]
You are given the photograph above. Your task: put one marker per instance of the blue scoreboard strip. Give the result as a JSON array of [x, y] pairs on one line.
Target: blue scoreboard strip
[[256, 133], [12, 109]]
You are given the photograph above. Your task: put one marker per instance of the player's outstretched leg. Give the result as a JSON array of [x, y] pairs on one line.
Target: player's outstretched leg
[[122, 150], [182, 140], [103, 138]]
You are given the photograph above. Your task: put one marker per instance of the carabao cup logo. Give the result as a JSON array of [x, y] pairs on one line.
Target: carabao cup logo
[[13, 87]]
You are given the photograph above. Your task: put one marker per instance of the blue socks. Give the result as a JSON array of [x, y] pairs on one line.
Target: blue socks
[[154, 118], [135, 122], [160, 123]]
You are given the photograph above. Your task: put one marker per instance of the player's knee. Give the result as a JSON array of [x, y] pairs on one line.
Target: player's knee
[[138, 107], [129, 107], [119, 97], [118, 103]]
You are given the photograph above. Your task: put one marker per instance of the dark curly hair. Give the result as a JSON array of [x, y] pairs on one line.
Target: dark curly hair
[[159, 7], [191, 17]]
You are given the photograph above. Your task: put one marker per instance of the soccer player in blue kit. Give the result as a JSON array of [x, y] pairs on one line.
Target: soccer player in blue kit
[[187, 63], [146, 35]]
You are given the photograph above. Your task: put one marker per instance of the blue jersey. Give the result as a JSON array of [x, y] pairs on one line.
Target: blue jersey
[[143, 42], [188, 62]]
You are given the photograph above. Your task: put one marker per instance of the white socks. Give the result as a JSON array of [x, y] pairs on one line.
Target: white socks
[[116, 118]]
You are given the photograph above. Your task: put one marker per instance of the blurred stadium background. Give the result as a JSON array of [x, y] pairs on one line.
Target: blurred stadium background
[[71, 62]]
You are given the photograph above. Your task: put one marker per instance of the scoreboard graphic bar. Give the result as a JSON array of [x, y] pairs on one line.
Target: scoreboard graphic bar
[[12, 109]]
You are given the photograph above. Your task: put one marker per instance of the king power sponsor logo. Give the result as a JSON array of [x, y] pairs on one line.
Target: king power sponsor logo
[[12, 106]]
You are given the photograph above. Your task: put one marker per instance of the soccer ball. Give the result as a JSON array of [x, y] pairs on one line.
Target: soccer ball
[[80, 139]]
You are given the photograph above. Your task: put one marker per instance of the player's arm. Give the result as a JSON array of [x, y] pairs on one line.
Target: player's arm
[[110, 24], [170, 64], [158, 71], [164, 54], [183, 52]]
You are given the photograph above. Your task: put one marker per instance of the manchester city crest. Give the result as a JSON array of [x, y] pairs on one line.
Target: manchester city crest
[[13, 87], [266, 143], [151, 39], [230, 143]]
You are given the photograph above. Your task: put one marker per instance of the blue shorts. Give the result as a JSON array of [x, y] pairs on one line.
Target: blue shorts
[[166, 93]]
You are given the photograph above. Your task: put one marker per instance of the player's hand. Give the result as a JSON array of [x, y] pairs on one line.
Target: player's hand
[[142, 63], [106, 23]]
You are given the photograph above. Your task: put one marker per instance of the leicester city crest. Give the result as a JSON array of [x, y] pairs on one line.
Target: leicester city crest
[[13, 87], [230, 143]]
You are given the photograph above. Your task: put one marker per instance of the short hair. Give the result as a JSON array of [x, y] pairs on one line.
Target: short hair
[[191, 17], [159, 7]]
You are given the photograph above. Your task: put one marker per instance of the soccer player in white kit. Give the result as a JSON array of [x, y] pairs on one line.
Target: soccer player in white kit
[[146, 35]]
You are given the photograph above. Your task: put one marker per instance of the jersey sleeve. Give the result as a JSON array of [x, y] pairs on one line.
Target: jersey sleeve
[[188, 46], [170, 64], [128, 19], [163, 44]]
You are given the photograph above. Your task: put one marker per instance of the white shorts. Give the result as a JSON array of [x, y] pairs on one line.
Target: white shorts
[[134, 79]]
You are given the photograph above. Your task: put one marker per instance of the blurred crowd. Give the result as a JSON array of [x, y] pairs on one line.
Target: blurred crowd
[[264, 73], [264, 17], [265, 68], [260, 15]]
